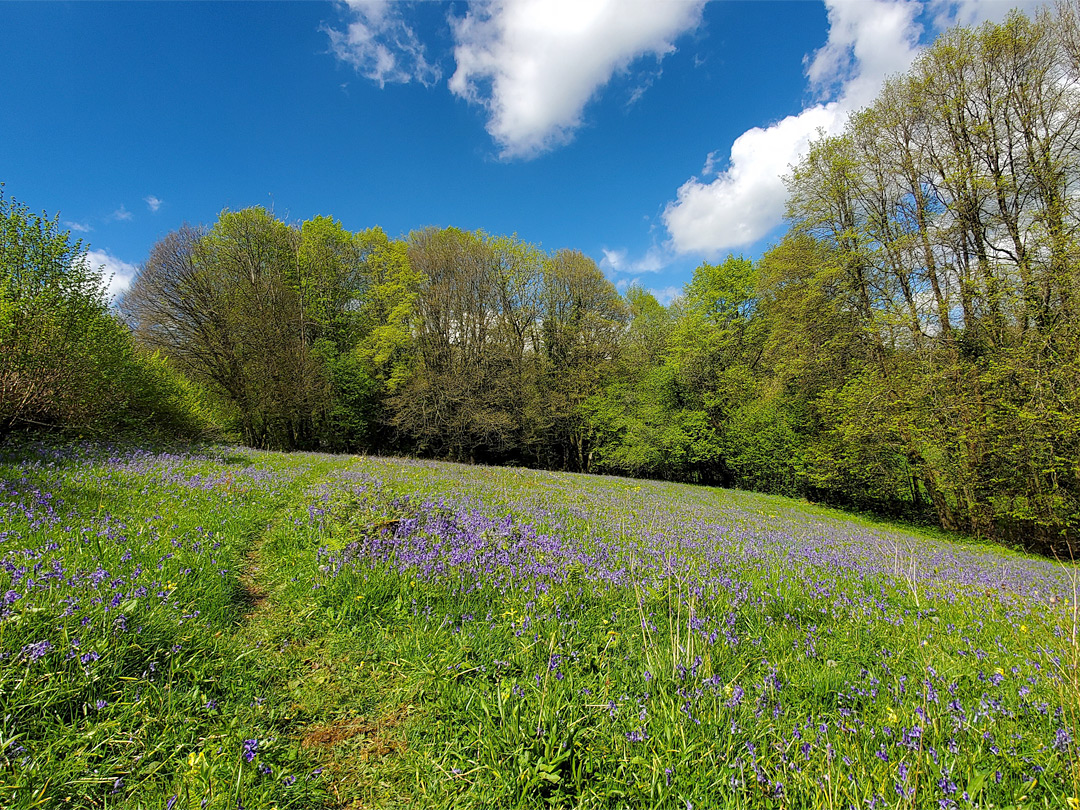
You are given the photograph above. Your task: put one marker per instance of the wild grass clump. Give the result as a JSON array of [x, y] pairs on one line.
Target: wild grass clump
[[302, 631]]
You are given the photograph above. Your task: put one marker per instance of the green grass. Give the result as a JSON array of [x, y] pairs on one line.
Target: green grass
[[231, 628]]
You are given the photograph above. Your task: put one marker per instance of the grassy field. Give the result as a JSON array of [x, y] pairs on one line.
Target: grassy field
[[226, 628]]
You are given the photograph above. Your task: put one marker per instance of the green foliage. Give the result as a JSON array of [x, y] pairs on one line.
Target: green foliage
[[298, 333], [723, 293], [349, 419], [947, 266], [508, 343], [856, 457], [763, 449], [65, 359], [686, 373], [52, 314], [385, 346], [642, 432]]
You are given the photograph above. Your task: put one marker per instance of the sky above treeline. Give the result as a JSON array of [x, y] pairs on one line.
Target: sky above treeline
[[650, 134]]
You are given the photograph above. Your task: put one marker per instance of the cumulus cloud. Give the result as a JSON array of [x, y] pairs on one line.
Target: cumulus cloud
[[745, 201], [78, 227], [381, 45], [532, 65], [535, 64], [868, 41], [153, 203], [118, 274]]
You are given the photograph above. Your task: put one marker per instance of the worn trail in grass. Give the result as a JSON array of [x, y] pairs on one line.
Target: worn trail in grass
[[230, 628]]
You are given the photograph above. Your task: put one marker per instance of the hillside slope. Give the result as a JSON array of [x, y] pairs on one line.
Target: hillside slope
[[227, 628]]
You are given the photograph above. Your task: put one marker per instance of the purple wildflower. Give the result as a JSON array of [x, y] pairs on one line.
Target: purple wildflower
[[37, 650]]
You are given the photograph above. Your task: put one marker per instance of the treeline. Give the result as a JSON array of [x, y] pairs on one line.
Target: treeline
[[911, 346], [453, 344], [66, 359], [938, 234]]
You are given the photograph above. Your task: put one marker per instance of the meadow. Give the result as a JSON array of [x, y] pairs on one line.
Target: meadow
[[227, 628]]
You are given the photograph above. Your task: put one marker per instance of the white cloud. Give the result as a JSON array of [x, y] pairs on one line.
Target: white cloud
[[381, 46], [117, 273], [746, 200], [868, 41], [535, 64], [121, 214], [710, 165], [643, 86], [78, 227], [613, 259], [654, 260], [153, 203]]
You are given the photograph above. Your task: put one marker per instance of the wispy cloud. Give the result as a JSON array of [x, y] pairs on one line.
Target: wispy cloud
[[381, 46], [643, 84], [118, 274], [78, 227], [653, 260], [121, 214], [153, 203]]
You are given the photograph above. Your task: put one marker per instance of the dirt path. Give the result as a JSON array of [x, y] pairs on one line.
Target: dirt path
[[254, 595]]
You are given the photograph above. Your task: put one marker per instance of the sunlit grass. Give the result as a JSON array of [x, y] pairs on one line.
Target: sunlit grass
[[233, 628]]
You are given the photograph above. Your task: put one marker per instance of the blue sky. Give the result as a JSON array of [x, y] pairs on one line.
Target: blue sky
[[649, 134]]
